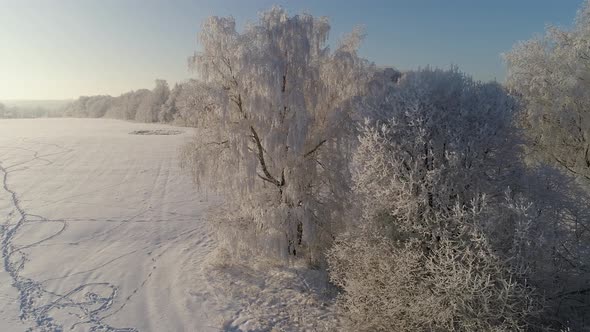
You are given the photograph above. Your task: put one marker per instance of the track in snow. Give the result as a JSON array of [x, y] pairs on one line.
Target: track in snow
[[88, 310]]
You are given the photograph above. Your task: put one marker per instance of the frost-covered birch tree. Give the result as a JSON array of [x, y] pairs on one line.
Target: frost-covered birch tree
[[552, 76], [279, 109]]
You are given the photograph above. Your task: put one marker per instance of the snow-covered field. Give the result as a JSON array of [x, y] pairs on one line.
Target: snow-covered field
[[101, 231]]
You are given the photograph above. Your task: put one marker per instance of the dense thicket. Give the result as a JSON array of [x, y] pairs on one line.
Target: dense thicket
[[456, 233]]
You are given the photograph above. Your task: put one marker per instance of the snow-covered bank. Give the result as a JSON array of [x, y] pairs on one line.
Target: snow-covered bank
[[103, 231]]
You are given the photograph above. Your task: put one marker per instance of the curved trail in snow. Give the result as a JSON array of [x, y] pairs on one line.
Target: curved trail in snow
[[14, 259]]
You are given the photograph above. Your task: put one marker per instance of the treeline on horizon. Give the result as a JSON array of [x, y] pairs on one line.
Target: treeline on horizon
[[161, 104], [29, 110]]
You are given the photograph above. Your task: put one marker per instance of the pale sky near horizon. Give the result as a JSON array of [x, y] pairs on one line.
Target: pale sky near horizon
[[61, 49]]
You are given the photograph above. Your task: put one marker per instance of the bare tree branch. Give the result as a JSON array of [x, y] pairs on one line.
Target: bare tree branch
[[564, 164], [217, 143], [268, 177], [310, 152]]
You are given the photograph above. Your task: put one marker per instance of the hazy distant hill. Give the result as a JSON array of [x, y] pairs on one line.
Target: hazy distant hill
[[32, 108], [32, 104]]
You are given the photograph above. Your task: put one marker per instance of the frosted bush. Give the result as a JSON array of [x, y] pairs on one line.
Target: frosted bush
[[448, 239], [459, 284]]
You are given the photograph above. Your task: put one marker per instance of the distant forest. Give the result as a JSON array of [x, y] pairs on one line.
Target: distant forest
[[161, 104]]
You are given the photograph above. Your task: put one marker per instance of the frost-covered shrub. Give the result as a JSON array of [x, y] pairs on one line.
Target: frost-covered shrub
[[456, 283], [278, 115], [456, 233]]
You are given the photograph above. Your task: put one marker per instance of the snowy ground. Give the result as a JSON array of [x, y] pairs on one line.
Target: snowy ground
[[101, 231]]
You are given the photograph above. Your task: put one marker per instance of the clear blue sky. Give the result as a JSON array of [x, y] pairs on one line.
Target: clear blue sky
[[60, 49]]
